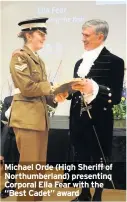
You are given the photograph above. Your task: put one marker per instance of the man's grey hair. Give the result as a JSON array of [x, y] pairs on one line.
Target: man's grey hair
[[100, 26]]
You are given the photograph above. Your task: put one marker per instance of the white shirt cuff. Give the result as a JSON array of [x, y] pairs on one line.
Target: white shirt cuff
[[7, 113], [91, 97]]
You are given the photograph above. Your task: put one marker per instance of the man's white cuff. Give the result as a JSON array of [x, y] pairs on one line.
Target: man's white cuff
[[7, 113], [89, 98]]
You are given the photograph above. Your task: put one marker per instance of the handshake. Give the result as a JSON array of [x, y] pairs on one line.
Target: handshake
[[77, 84]]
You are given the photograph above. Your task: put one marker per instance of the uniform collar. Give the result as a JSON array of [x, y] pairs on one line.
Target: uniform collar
[[31, 54], [95, 52]]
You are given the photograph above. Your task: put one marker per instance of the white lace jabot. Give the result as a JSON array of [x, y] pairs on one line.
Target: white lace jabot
[[88, 60]]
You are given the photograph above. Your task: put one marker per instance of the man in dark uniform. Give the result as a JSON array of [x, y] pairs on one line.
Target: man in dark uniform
[[8, 145], [103, 73]]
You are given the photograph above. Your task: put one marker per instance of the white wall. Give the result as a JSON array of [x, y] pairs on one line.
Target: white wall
[[64, 34]]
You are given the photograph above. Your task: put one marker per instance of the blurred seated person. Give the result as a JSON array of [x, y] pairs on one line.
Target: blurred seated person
[[9, 153]]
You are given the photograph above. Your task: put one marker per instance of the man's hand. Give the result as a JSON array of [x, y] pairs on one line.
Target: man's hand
[[61, 97], [84, 86]]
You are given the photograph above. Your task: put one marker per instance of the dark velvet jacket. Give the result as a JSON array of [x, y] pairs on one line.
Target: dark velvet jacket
[[108, 73]]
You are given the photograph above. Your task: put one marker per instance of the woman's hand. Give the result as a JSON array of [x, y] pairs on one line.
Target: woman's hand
[[1, 158]]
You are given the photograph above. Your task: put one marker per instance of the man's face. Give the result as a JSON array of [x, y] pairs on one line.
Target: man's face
[[90, 39]]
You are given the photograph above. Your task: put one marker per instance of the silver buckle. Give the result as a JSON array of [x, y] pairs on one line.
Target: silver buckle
[[83, 109]]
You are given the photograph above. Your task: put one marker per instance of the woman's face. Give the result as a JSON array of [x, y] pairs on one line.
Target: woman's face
[[36, 40]]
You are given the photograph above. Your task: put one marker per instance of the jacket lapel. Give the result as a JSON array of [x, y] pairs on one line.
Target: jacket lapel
[[103, 58], [100, 64]]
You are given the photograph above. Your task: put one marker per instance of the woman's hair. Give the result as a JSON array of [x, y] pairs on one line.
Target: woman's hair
[[22, 35]]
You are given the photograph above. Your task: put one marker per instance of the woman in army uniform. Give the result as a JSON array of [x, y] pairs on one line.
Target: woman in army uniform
[[29, 117]]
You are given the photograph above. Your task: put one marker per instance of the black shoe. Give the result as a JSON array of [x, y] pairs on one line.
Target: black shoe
[[96, 198], [76, 199], [81, 198], [5, 191]]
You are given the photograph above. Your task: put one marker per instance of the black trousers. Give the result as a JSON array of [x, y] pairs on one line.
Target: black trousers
[[86, 147]]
